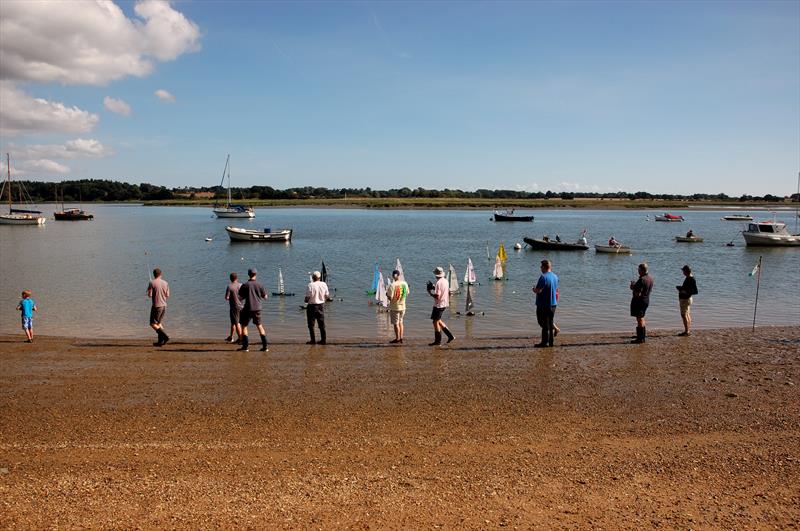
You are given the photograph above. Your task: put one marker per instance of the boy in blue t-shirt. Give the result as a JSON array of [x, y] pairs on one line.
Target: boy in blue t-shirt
[[546, 291], [27, 306]]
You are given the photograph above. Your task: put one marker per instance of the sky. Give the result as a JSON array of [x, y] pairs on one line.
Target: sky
[[664, 97]]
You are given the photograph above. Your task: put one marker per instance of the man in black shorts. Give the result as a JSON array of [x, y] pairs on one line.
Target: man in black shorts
[[234, 308], [158, 292], [641, 289], [252, 294]]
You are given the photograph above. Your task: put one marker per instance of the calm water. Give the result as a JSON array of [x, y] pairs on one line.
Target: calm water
[[89, 278]]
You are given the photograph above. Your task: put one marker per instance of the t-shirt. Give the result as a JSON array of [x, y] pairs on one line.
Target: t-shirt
[[548, 283], [397, 293], [232, 294], [642, 289], [441, 293], [158, 290], [688, 288], [317, 292], [27, 307], [252, 293]]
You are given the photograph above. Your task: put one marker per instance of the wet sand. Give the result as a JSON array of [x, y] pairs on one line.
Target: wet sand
[[700, 432]]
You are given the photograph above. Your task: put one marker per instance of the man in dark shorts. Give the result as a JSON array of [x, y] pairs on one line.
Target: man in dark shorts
[[685, 292], [641, 289], [546, 291], [235, 308], [440, 291], [158, 292], [252, 294]]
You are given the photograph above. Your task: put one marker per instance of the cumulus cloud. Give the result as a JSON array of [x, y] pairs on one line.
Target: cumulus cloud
[[29, 167], [21, 113], [72, 149], [163, 95], [52, 41], [116, 106]]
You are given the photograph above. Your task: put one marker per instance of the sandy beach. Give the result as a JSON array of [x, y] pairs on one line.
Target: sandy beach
[[700, 432]]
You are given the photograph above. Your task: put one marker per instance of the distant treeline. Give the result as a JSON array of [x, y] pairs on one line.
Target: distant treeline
[[106, 190]]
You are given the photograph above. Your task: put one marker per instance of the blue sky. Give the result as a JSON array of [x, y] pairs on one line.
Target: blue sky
[[666, 97]]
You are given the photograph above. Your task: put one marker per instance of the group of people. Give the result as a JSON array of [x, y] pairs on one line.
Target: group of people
[[546, 291], [245, 305]]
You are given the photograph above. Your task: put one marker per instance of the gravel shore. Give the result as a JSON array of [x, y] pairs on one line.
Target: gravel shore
[[698, 432]]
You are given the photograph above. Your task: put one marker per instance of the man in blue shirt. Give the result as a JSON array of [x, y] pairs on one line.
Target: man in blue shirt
[[546, 291]]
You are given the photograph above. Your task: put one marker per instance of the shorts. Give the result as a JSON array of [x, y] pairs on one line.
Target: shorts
[[234, 313], [27, 323], [437, 313], [685, 306], [396, 316], [247, 315], [638, 308], [157, 314]]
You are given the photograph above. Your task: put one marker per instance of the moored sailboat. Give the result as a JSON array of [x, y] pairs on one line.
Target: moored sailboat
[[231, 210], [17, 216]]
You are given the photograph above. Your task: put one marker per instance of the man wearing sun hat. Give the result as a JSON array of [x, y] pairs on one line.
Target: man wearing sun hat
[[252, 294], [440, 292]]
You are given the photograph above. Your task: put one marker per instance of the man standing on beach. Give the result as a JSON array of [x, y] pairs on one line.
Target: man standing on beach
[[397, 292], [252, 294], [546, 291], [685, 293], [235, 308], [641, 289], [441, 300], [158, 292], [316, 295]]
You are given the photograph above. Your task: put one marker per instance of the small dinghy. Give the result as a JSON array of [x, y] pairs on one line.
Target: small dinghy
[[689, 239], [612, 249], [267, 235], [552, 245]]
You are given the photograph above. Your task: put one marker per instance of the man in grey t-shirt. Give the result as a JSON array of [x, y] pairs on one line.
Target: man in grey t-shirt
[[252, 293], [158, 292]]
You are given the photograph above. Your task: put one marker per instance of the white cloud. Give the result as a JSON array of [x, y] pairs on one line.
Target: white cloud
[[163, 95], [116, 106], [72, 149], [530, 187], [28, 167], [92, 42], [576, 187], [21, 113]]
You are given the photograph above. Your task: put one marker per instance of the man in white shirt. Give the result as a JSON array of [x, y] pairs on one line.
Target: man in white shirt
[[441, 300], [316, 295]]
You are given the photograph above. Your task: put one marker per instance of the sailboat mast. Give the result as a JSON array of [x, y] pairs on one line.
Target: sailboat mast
[[228, 164], [8, 180]]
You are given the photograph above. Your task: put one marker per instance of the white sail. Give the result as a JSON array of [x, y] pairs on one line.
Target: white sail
[[452, 279], [469, 274], [469, 304], [281, 288], [399, 267], [497, 274], [380, 293]]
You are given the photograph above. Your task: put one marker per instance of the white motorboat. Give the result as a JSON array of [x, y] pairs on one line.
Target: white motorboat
[[18, 216], [770, 234], [612, 249], [669, 217], [737, 217], [267, 235], [231, 210]]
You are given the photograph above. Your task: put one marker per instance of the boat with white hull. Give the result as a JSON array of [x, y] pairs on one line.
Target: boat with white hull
[[770, 234], [612, 249], [231, 210], [267, 235], [17, 216]]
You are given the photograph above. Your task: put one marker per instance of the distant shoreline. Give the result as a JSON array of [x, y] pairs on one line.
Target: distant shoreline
[[467, 204]]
